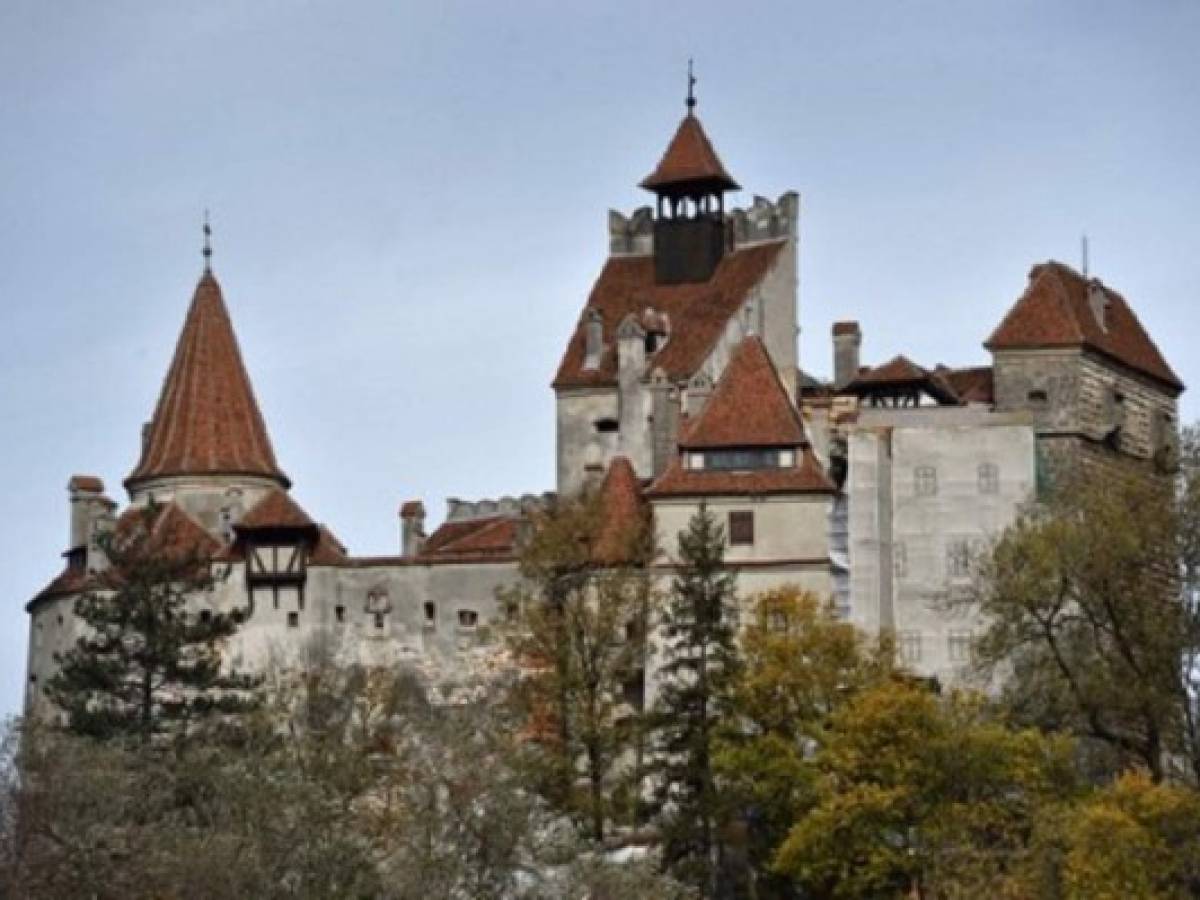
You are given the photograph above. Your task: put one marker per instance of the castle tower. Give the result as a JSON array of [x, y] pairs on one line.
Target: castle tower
[[207, 445], [690, 183]]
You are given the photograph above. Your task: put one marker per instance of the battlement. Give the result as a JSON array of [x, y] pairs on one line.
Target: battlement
[[468, 510], [762, 220]]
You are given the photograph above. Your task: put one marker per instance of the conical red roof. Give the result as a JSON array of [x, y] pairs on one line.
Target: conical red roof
[[207, 421], [690, 158]]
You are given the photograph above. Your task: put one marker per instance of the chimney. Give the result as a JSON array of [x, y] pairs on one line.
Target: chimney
[[91, 513], [847, 338], [593, 339], [412, 528]]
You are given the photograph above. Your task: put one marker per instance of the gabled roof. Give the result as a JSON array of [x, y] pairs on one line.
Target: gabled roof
[[207, 420], [698, 312], [1055, 311], [972, 385], [167, 529], [806, 478], [622, 513], [902, 374], [689, 159], [749, 407], [328, 551], [276, 510]]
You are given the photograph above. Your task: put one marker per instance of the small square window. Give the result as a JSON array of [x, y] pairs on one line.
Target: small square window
[[1038, 398], [925, 481], [741, 528], [989, 478], [910, 646], [205, 616], [339, 613], [467, 618], [293, 620], [958, 645]]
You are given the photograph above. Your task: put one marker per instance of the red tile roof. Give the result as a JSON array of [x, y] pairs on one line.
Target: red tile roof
[[1055, 311], [493, 537], [972, 385], [806, 478], [901, 373], [207, 420], [849, 327], [689, 158], [623, 513], [698, 312], [276, 510], [90, 483], [749, 407], [328, 551], [412, 509], [168, 530]]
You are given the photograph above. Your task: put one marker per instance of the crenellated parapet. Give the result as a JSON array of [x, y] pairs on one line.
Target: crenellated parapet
[[468, 510], [762, 220]]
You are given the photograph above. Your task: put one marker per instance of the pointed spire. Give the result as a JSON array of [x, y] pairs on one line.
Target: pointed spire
[[207, 251], [691, 97], [207, 421]]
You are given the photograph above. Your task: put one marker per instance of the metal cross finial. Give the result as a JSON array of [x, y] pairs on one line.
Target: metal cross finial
[[691, 97], [207, 244]]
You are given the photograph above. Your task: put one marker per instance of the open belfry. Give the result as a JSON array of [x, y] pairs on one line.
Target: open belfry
[[680, 385]]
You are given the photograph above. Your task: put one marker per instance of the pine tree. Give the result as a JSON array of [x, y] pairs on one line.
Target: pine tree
[[700, 666], [147, 664]]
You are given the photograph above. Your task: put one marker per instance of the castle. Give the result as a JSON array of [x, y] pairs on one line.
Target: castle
[[680, 385]]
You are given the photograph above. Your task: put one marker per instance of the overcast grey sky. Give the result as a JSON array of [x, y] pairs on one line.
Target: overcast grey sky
[[409, 204]]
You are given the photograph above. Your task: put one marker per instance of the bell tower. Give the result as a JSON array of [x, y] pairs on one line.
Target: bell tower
[[690, 184]]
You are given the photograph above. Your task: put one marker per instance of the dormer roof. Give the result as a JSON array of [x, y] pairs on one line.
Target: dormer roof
[[1057, 309], [207, 421]]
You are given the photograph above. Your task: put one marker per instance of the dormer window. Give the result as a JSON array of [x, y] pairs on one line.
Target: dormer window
[[741, 460]]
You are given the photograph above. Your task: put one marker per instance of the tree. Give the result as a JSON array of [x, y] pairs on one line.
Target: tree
[[700, 666], [148, 662], [1134, 839], [801, 664], [582, 637], [926, 796], [1091, 625]]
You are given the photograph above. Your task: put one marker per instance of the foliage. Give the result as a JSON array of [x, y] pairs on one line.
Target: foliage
[[148, 663], [1134, 839], [801, 665], [923, 794], [700, 666], [582, 637], [1086, 615]]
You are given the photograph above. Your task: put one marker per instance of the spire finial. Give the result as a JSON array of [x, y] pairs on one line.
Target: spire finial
[[691, 97], [207, 251]]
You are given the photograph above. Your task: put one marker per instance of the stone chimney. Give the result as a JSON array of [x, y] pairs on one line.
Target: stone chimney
[[91, 514], [847, 339], [412, 528], [593, 339]]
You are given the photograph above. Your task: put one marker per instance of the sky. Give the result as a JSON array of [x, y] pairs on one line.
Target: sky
[[409, 205]]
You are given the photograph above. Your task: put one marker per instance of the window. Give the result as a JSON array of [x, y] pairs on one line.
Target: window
[[958, 646], [339, 613], [60, 620], [925, 481], [910, 646], [467, 618], [1038, 398], [900, 559], [430, 614], [989, 478], [512, 610], [727, 460], [293, 620], [606, 426], [205, 616], [958, 558], [33, 679], [379, 621], [634, 689], [741, 528]]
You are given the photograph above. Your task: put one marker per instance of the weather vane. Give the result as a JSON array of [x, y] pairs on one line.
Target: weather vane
[[691, 97], [207, 244]]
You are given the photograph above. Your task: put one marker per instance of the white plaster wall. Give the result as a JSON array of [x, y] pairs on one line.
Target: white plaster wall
[[578, 444], [785, 527]]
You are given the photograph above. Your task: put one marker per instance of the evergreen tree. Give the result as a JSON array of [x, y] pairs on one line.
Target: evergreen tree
[[700, 667], [147, 664]]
